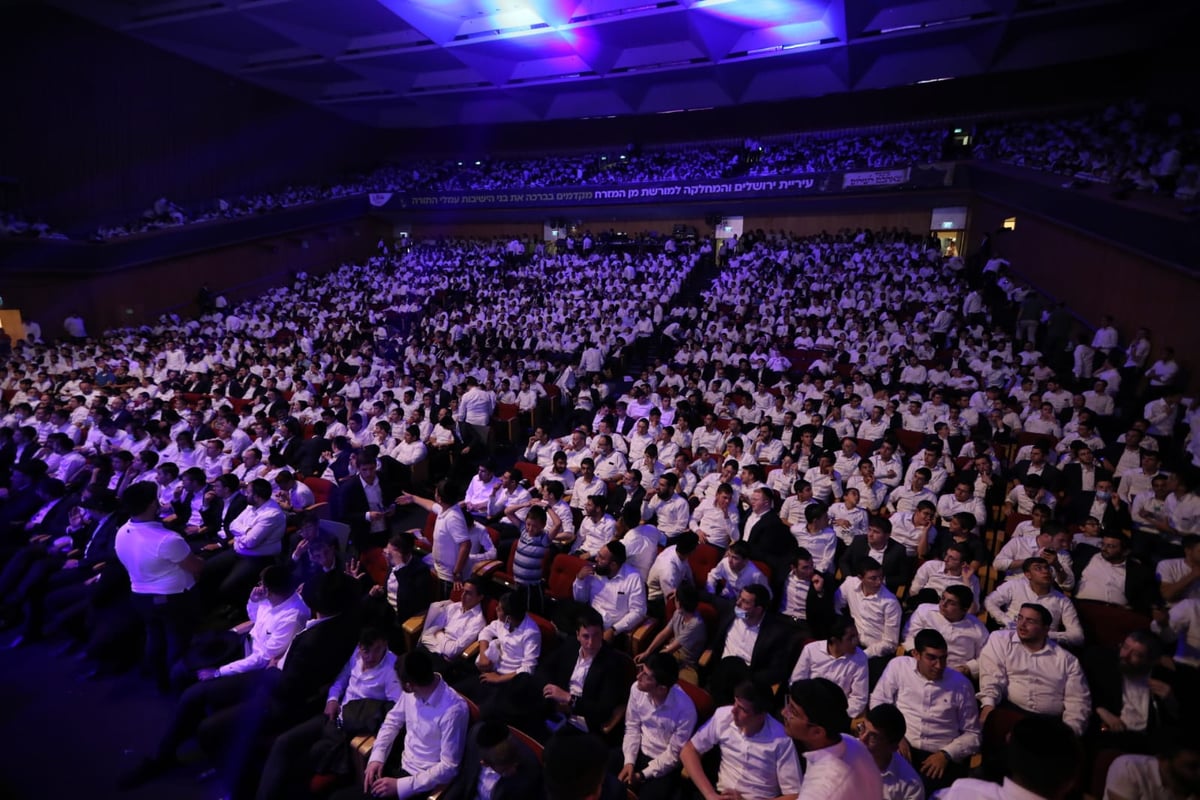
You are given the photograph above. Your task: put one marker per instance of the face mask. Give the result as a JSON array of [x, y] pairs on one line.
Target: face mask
[[1105, 496], [740, 613]]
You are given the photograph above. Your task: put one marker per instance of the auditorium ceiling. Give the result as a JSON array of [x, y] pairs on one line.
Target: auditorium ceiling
[[423, 63]]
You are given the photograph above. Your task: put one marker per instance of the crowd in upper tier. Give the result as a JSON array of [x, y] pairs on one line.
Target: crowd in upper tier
[[1128, 145], [658, 497]]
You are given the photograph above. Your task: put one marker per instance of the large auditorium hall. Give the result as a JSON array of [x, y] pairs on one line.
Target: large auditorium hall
[[599, 400]]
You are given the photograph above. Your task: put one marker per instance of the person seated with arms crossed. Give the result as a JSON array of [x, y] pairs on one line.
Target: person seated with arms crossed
[[964, 633], [839, 659]]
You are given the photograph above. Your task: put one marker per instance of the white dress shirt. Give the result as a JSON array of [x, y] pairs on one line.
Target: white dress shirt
[[272, 632], [877, 617], [641, 548], [1048, 681], [594, 534], [932, 575], [761, 766], [1137, 776], [843, 771], [720, 527], [512, 651], [941, 715], [435, 735], [668, 571], [848, 671], [901, 781], [356, 683], [671, 516], [822, 545], [658, 731], [1173, 570], [1184, 619], [620, 599], [1004, 604], [1102, 580], [964, 639], [449, 629], [259, 531], [734, 582], [975, 789]]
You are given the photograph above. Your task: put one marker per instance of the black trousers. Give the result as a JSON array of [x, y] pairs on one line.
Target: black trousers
[[286, 771], [168, 620]]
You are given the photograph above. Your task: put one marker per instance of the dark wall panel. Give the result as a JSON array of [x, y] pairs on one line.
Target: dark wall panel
[[98, 124], [1097, 278], [142, 293]]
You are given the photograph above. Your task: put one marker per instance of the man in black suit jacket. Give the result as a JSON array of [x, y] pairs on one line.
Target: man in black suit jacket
[[772, 653], [622, 497], [493, 744], [228, 714], [769, 537], [1141, 584], [1073, 473], [1103, 504], [1136, 665], [1051, 478], [601, 700], [228, 503], [369, 527], [896, 567]]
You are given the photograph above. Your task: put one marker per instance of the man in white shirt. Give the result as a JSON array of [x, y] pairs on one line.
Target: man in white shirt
[[659, 720], [508, 656], [1033, 673], [667, 508], [596, 529], [876, 612], [964, 633], [670, 569], [758, 759], [881, 732], [1036, 585], [1171, 774], [839, 659], [715, 519], [734, 572], [370, 676], [1179, 578], [613, 588], [434, 718], [939, 708], [1043, 758], [257, 535], [451, 627], [934, 576], [475, 408], [839, 766], [276, 613]]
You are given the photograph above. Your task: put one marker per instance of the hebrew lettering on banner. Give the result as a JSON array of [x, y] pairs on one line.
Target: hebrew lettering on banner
[[743, 188]]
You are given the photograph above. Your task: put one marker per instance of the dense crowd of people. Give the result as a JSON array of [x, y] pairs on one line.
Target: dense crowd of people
[[1128, 145], [844, 501]]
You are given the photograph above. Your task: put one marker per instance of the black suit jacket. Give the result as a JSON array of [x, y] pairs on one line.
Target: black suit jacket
[[315, 658], [1100, 666], [618, 499], [1072, 479], [818, 606], [352, 508], [524, 783], [895, 561], [215, 521], [774, 652], [1052, 479], [1141, 584], [605, 688], [1116, 518], [770, 540], [308, 458]]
